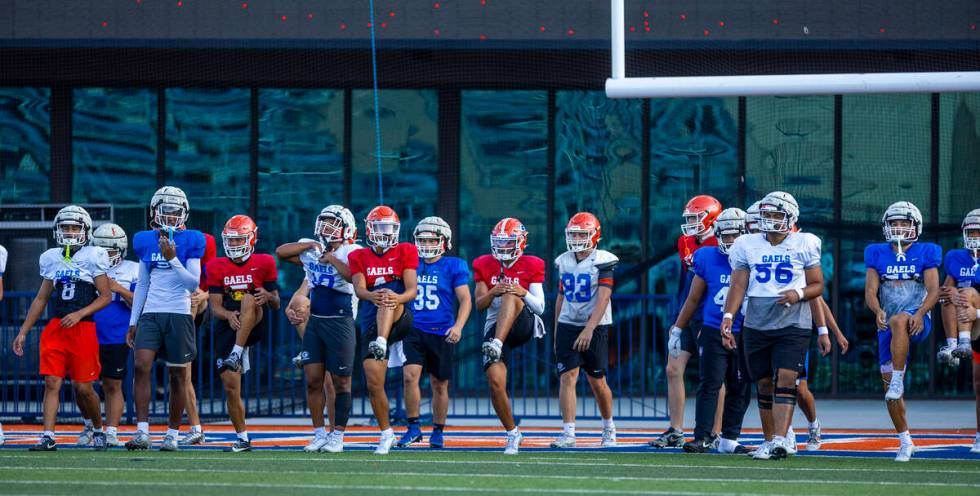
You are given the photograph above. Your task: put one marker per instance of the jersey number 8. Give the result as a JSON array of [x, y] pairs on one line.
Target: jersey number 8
[[68, 291], [577, 289]]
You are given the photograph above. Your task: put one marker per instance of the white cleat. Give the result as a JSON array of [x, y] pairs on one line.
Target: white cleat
[[763, 452], [513, 443], [945, 356], [85, 437], [193, 437], [963, 350], [111, 440], [316, 444], [905, 452], [975, 449], [384, 444], [378, 349], [335, 443], [563, 441], [895, 390], [790, 442], [608, 438], [2, 439], [814, 442], [491, 351]]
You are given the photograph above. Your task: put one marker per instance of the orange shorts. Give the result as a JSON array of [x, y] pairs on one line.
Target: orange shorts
[[73, 352]]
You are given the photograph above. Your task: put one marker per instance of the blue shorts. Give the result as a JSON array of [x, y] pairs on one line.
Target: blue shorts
[[885, 338]]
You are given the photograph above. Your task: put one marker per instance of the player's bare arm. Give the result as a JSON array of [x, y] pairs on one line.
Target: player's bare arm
[[290, 252], [38, 305], [871, 298]]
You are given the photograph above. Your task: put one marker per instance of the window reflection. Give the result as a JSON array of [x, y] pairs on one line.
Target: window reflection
[[959, 155], [25, 158]]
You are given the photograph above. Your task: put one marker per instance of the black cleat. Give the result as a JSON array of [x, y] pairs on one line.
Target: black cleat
[[232, 363], [699, 446], [99, 442], [778, 453], [239, 446], [741, 450], [45, 444], [671, 438]]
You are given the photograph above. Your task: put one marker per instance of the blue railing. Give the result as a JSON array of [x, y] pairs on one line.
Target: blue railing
[[274, 387]]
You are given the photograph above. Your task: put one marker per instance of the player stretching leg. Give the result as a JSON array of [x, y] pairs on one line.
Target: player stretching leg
[[170, 270], [509, 287], [431, 344], [583, 316], [329, 338], [960, 267], [76, 275], [778, 270], [901, 287], [699, 216]]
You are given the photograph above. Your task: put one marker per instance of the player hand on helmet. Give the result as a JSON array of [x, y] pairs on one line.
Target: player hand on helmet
[[881, 320], [584, 340], [70, 320], [19, 344], [915, 324], [789, 298], [455, 332], [233, 321], [823, 344], [167, 247]]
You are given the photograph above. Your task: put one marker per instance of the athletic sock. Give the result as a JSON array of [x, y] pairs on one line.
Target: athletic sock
[[608, 423], [88, 423], [143, 427], [320, 432], [237, 350], [196, 428], [898, 375], [569, 428], [389, 432], [950, 341], [515, 431], [111, 430], [413, 421], [97, 429], [243, 436], [48, 434], [964, 337], [727, 445], [905, 437], [173, 432], [815, 424]]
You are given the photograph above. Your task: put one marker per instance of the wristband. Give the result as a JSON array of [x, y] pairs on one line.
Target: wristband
[[801, 294], [822, 331], [728, 316]]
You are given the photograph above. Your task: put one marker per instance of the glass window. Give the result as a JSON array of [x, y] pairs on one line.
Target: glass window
[[790, 147], [409, 140], [598, 160], [959, 155], [504, 167], [25, 156], [114, 146], [301, 165], [207, 152], [886, 154]]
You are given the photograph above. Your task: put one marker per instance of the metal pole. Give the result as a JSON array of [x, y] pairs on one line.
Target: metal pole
[[618, 39]]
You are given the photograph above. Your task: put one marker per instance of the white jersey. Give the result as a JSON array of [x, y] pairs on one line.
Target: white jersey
[[325, 276], [125, 274], [74, 277], [3, 260], [773, 270], [580, 281]]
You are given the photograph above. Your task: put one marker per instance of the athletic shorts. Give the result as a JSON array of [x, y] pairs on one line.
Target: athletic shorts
[[594, 361], [805, 371], [172, 335], [71, 352], [520, 332], [885, 339], [431, 351], [114, 358], [773, 349], [225, 338], [399, 330], [332, 342]]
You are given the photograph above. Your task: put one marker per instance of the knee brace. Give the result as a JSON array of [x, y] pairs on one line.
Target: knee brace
[[341, 405], [785, 395], [765, 402]]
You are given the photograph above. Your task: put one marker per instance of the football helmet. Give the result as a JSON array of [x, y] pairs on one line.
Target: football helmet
[[971, 223], [582, 232], [382, 226], [778, 212], [699, 214], [114, 240], [902, 210], [335, 223], [730, 221], [72, 215], [508, 239], [429, 229], [240, 228], [752, 218], [169, 207]]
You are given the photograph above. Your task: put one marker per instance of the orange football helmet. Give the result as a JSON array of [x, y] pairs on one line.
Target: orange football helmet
[[508, 239], [240, 228], [583, 232], [381, 226], [699, 215]]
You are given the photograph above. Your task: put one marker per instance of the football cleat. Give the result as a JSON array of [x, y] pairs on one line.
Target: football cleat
[[963, 350], [3, 439], [813, 442], [436, 440], [377, 349], [169, 443], [194, 437], [141, 441], [608, 437], [492, 350], [671, 438], [790, 441], [905, 452], [335, 443], [564, 441], [298, 361], [385, 443], [46, 443], [232, 363], [112, 441], [698, 445], [945, 356], [239, 446], [412, 435], [316, 444], [741, 450], [99, 441], [763, 452], [896, 388], [85, 437], [513, 443], [976, 446]]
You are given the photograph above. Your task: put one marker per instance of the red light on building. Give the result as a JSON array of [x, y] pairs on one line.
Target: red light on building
[[309, 16], [437, 5], [343, 26], [105, 23], [541, 28], [244, 6], [775, 22], [721, 23], [683, 17], [483, 37], [436, 32], [881, 30], [391, 14], [706, 32], [282, 18], [570, 32], [632, 29], [384, 25], [180, 4], [646, 13]]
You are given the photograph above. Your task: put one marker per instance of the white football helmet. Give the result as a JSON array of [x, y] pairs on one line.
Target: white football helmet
[[778, 212], [730, 221], [752, 218], [169, 207], [902, 210], [72, 215], [433, 228], [114, 240], [335, 223], [971, 223]]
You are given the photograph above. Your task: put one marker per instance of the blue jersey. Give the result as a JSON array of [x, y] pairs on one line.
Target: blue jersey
[[112, 322], [961, 266], [712, 265], [434, 308], [901, 275], [187, 242]]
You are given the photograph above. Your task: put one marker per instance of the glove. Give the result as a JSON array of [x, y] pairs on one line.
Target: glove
[[674, 342]]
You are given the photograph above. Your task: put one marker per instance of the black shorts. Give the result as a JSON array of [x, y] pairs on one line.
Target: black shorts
[[171, 335], [770, 350], [520, 332], [204, 316], [399, 329], [595, 361], [689, 337], [114, 358], [332, 342], [431, 351], [225, 337]]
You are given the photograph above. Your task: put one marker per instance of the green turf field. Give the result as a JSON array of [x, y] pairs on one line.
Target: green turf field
[[193, 472]]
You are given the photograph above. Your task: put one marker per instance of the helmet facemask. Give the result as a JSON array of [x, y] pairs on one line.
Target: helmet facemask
[[578, 240], [971, 237], [383, 233], [727, 238], [169, 216], [900, 230], [773, 220], [115, 256], [329, 229], [430, 244], [694, 224], [238, 246], [70, 233], [504, 248]]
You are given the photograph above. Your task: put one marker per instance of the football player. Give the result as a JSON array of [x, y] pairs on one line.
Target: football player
[[161, 321], [961, 267], [385, 280], [509, 286], [697, 232], [440, 311], [583, 317], [719, 358], [76, 275], [241, 285], [329, 338], [778, 270], [201, 312], [967, 303], [901, 286]]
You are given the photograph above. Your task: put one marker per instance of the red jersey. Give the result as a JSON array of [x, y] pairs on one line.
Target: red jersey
[[687, 245], [525, 271], [384, 268], [210, 251], [235, 280]]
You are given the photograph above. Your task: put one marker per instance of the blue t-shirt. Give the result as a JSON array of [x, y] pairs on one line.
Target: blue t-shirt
[[187, 242], [112, 322], [713, 266], [434, 309], [961, 266], [902, 287]]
